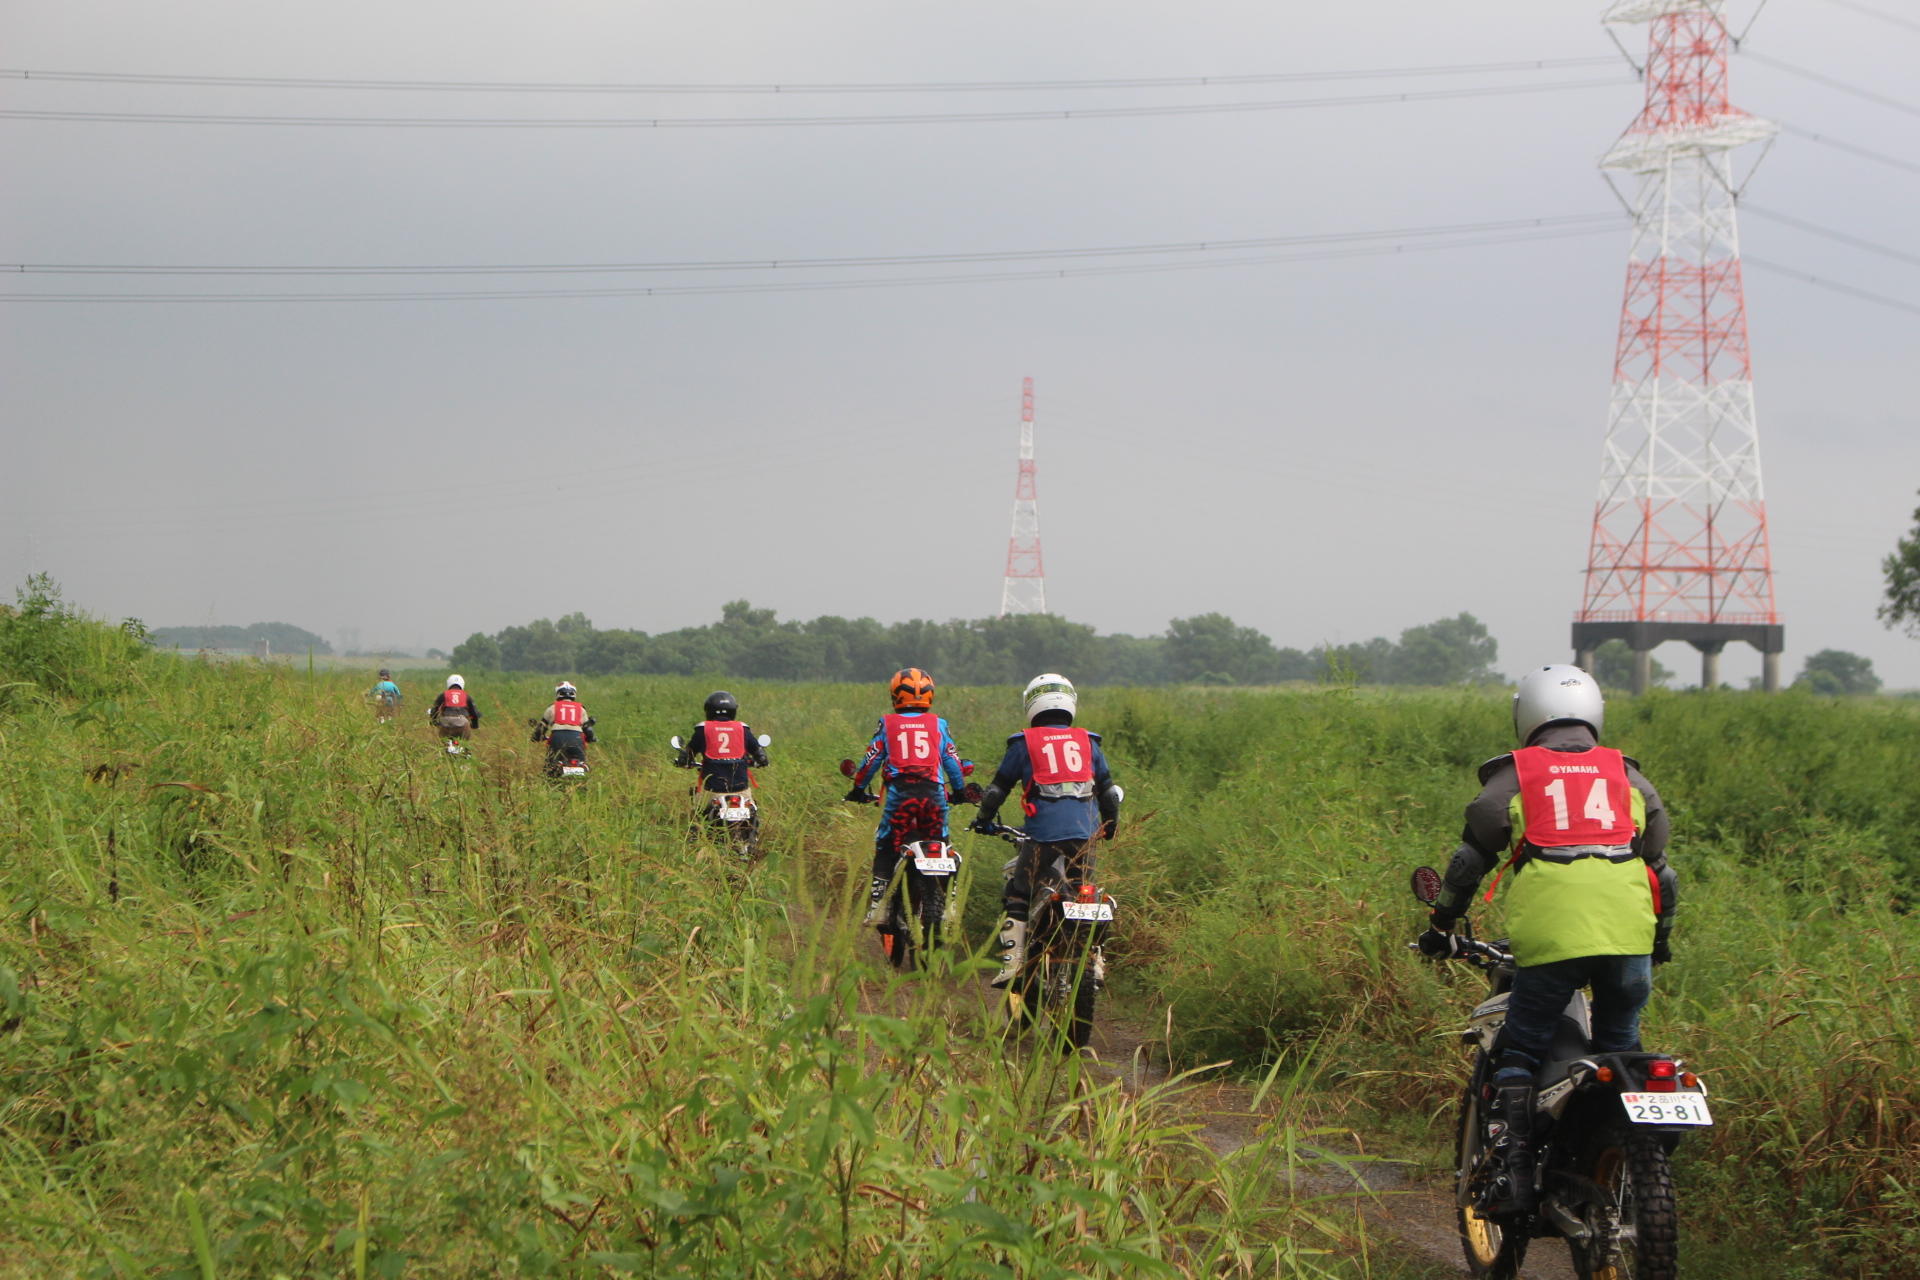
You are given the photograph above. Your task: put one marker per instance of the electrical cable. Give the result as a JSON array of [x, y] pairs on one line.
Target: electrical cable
[[1058, 273], [1878, 156], [1831, 83], [1851, 290], [784, 264], [1872, 12], [936, 86], [739, 122], [1842, 237]]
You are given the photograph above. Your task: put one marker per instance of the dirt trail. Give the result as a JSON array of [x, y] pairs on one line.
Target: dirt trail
[[1397, 1203]]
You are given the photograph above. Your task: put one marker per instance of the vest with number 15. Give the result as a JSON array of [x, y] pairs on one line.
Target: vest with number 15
[[913, 746]]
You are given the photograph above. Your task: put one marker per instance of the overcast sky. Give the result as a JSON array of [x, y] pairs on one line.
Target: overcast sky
[[1326, 449]]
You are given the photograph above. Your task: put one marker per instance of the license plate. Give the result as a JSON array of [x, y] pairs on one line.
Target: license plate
[[735, 815], [945, 866], [1087, 910], [1667, 1108], [573, 771]]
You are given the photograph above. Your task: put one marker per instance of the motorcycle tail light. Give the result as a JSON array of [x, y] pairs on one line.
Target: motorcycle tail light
[[1662, 1076], [1089, 893]]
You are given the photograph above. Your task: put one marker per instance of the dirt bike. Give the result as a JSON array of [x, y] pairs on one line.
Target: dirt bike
[[920, 900], [1067, 925], [1604, 1127], [733, 815], [565, 760]]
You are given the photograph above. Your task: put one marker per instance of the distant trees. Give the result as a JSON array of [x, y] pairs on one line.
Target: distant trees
[[754, 643], [1836, 672], [1901, 570], [281, 637]]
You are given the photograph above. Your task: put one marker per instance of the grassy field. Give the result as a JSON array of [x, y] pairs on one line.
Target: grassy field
[[286, 992]]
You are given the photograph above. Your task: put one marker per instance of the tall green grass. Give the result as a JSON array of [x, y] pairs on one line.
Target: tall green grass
[[287, 992]]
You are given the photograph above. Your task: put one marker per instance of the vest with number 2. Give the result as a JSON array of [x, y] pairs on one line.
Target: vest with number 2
[[723, 740], [1061, 762], [1578, 887]]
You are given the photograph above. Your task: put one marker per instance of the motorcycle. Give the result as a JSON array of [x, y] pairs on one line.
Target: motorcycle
[[565, 760], [1604, 1129], [921, 899], [1067, 927], [732, 814]]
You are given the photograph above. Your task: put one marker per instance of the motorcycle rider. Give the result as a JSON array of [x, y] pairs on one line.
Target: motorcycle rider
[[1590, 897], [1068, 798], [565, 728], [386, 696], [725, 746], [454, 713], [911, 750]]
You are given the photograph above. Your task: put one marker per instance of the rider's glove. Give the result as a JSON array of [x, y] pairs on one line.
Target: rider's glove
[[982, 824], [859, 795], [1662, 950], [1436, 945], [1441, 920], [683, 761]]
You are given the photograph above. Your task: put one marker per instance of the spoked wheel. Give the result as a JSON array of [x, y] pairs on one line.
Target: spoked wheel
[[1067, 990], [1495, 1247], [1637, 1236]]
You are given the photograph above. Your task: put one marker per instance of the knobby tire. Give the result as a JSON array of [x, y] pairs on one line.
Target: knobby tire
[[1632, 1170]]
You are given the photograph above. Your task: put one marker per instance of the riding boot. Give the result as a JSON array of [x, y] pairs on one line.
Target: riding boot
[[876, 903], [1013, 950], [1512, 1114]]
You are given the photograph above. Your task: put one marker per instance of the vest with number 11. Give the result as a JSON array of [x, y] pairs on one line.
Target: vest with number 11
[[568, 715], [1574, 797], [723, 739]]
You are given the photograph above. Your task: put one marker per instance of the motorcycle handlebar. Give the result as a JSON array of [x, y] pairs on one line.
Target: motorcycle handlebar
[[1473, 951]]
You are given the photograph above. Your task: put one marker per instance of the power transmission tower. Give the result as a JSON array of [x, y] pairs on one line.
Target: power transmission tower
[[1025, 587], [1679, 548]]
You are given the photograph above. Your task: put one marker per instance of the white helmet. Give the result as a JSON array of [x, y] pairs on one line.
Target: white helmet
[[456, 682], [565, 689], [1547, 695], [1050, 692]]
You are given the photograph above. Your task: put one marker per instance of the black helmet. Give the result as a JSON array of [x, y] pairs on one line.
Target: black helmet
[[722, 705], [384, 673]]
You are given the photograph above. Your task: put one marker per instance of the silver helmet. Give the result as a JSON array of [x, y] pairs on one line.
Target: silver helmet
[[1550, 694], [565, 689], [1050, 692]]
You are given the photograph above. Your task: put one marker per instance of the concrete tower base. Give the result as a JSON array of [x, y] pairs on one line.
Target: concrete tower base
[[1708, 637]]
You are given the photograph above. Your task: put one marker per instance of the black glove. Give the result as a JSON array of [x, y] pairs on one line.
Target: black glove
[[1107, 829], [1662, 950], [683, 761], [859, 795], [982, 824], [1436, 944], [1441, 920], [760, 761]]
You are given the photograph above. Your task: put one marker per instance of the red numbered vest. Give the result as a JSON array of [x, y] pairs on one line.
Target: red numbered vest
[[1574, 797], [913, 746], [567, 715], [724, 739], [454, 700], [1061, 758]]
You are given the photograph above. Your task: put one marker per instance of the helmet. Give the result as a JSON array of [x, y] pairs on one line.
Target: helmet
[[456, 682], [1050, 692], [385, 674], [911, 689], [1556, 694], [565, 689], [722, 705]]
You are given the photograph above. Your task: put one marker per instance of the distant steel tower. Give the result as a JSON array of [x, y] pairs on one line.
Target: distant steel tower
[[1025, 588], [1679, 548]]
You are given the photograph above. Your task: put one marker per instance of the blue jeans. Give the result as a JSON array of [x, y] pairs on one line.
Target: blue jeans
[[1621, 985]]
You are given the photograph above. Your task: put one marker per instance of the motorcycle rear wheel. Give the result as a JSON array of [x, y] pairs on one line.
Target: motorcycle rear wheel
[[1632, 1170], [1494, 1250]]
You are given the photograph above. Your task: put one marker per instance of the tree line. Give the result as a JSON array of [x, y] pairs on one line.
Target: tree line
[[750, 643]]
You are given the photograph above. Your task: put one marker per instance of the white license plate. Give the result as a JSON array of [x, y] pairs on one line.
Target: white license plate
[[573, 771], [937, 866], [1667, 1108], [1087, 910]]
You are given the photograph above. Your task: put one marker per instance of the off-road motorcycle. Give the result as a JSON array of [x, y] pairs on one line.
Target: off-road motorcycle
[[921, 900], [1068, 920], [732, 816], [1604, 1127], [566, 757]]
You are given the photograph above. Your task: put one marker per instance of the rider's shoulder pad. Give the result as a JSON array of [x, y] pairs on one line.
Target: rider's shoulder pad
[[1629, 761], [1493, 766], [1021, 736]]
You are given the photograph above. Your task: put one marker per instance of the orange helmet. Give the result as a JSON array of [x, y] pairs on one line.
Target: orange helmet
[[912, 690]]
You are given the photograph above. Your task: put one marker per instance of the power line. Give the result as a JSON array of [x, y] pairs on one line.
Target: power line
[[786, 264], [1872, 12], [936, 86], [1901, 255], [1852, 291], [734, 122], [1059, 273], [1832, 83], [1864, 153]]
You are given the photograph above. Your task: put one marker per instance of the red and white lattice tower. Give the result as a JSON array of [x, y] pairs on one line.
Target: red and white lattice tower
[[1025, 587], [1679, 548]]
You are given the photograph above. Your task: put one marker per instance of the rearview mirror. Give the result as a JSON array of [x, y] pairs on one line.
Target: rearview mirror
[[677, 744], [1427, 885], [846, 767], [765, 741]]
